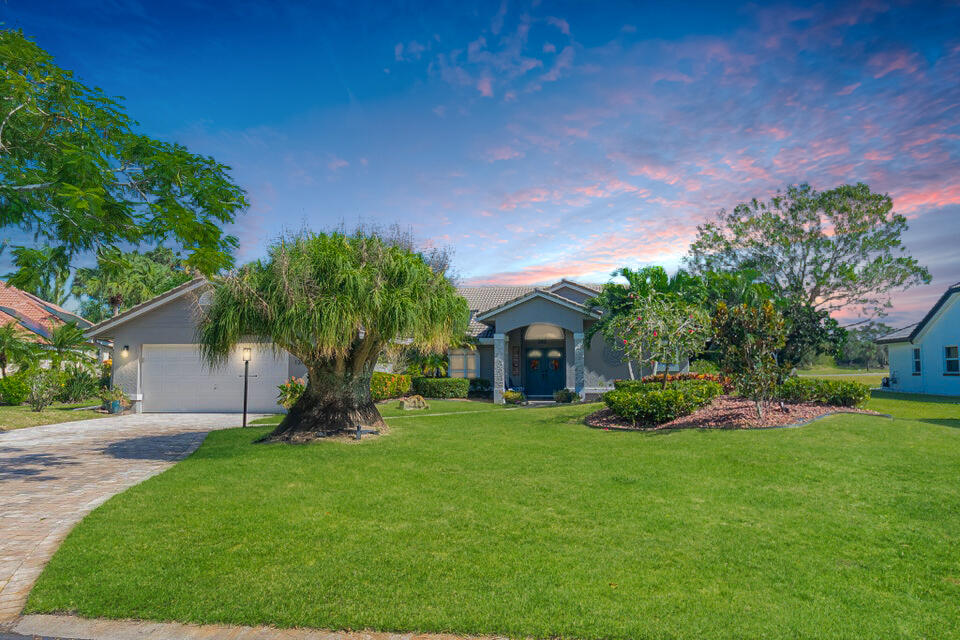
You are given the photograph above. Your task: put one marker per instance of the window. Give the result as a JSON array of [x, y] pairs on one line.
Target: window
[[916, 362], [951, 361], [463, 363]]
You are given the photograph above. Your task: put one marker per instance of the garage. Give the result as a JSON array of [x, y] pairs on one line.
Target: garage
[[175, 378]]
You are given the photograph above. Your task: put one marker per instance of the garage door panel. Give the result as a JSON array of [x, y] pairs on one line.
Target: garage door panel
[[177, 378]]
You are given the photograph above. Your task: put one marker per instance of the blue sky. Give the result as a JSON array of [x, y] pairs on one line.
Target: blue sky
[[539, 139]]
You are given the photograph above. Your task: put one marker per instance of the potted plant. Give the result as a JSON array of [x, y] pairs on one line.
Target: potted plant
[[113, 399]]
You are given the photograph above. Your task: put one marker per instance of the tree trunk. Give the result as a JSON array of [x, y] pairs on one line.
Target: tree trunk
[[664, 385], [630, 369], [335, 401]]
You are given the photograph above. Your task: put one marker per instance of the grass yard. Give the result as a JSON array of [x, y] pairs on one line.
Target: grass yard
[[527, 523], [391, 408], [23, 416], [871, 377]]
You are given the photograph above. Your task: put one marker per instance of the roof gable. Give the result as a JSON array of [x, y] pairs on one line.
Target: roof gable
[[537, 293], [100, 329], [33, 313], [912, 332]]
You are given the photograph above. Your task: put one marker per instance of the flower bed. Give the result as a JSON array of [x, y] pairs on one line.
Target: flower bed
[[727, 412]]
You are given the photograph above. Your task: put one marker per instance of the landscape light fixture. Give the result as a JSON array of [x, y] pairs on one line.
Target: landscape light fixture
[[245, 354]]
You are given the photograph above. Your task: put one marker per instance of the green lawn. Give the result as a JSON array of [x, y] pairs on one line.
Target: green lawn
[[392, 408], [871, 377], [527, 523], [23, 416]]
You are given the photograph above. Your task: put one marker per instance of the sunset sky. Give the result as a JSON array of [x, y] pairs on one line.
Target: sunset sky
[[539, 139]]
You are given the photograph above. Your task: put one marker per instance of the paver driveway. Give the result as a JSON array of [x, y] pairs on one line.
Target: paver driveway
[[51, 476]]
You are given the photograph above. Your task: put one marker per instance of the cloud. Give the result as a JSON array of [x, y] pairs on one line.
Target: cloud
[[549, 47], [560, 24], [336, 163], [485, 87], [850, 88], [886, 62], [503, 152]]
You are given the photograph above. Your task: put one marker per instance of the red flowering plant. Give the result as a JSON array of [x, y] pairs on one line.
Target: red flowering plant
[[663, 329]]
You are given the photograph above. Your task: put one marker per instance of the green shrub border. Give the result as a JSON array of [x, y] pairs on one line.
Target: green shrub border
[[441, 387]]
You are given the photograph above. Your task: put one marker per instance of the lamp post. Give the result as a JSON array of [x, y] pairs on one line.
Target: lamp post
[[246, 377]]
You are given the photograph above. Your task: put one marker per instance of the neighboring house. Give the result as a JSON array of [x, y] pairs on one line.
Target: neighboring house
[[35, 316], [924, 357], [527, 337]]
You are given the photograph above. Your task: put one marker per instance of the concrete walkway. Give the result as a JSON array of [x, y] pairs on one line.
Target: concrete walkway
[[52, 476], [74, 627]]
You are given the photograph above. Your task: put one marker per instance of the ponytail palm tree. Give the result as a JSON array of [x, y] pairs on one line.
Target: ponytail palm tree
[[335, 301]]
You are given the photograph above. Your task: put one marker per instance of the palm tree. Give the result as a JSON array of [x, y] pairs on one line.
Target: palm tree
[[41, 271], [335, 301], [13, 348], [68, 344]]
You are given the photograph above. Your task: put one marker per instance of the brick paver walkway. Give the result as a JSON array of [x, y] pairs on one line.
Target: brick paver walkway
[[52, 476]]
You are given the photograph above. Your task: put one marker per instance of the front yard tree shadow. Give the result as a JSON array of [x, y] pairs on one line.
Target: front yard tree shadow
[[335, 301]]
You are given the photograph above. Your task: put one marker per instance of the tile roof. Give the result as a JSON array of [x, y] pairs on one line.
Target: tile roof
[[486, 297], [32, 313]]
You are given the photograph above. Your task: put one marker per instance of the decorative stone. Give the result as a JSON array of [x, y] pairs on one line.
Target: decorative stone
[[413, 403]]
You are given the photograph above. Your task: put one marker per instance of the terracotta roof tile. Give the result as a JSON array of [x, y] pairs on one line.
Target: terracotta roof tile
[[32, 313]]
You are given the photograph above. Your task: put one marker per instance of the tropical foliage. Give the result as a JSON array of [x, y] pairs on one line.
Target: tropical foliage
[[74, 173], [335, 301], [15, 348], [121, 280], [67, 344], [837, 393], [441, 387], [42, 271], [650, 404], [747, 339]]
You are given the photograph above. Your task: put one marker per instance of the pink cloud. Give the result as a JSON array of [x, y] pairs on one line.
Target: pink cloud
[[485, 87], [337, 163], [504, 152], [549, 47], [877, 156], [889, 61], [526, 197], [847, 90], [909, 201], [560, 24]]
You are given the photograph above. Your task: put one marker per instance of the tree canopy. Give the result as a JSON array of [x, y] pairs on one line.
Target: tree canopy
[[74, 173], [121, 280], [42, 271], [828, 250], [335, 301]]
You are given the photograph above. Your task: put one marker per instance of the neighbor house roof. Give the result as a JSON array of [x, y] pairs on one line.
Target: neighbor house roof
[[34, 314], [910, 332], [483, 299]]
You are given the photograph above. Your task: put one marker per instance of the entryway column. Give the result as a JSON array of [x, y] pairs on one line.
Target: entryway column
[[579, 378], [499, 366]]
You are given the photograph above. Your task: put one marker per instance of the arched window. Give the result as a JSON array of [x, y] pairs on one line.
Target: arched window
[[541, 331]]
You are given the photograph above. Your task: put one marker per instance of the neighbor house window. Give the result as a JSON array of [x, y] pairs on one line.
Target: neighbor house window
[[951, 361], [916, 362], [463, 363]]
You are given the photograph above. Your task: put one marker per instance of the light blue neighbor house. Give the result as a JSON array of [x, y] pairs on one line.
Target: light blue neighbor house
[[925, 357]]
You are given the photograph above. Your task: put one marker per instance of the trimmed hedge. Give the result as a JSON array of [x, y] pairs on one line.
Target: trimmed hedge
[[480, 387], [648, 404], [14, 389], [837, 393], [725, 382], [441, 387], [566, 395], [384, 386]]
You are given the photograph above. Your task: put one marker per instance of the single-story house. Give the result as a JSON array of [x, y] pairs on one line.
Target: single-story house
[[925, 357], [529, 338]]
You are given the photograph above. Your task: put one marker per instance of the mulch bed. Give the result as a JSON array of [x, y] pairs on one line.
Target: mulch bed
[[729, 412]]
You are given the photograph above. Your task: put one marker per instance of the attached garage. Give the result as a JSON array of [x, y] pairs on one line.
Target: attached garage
[[179, 380], [158, 364]]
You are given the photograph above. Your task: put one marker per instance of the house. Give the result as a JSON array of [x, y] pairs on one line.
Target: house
[[529, 338], [35, 316], [924, 357]]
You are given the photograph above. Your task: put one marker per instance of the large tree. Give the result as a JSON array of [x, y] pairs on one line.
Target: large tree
[[335, 301], [121, 280], [75, 174], [827, 250]]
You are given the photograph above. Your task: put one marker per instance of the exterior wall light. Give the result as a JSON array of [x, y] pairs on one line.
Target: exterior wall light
[[125, 351]]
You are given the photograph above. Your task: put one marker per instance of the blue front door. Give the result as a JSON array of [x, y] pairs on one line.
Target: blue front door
[[545, 370]]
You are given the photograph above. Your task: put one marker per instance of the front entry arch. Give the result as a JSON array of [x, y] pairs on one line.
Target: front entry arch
[[545, 369]]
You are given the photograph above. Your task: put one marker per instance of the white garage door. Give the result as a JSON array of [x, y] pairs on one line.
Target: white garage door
[[174, 377]]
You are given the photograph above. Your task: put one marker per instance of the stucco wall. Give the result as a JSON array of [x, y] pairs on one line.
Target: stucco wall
[[942, 331], [538, 310]]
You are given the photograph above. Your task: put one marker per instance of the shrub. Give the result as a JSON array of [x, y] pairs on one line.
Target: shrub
[[441, 387], [649, 404], [14, 389], [389, 385], [290, 392], [513, 397], [838, 393], [480, 387], [42, 388], [78, 384], [724, 381], [566, 395]]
